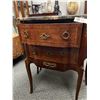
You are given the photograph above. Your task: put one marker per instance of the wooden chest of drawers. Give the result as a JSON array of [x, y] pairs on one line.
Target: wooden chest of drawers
[[56, 46]]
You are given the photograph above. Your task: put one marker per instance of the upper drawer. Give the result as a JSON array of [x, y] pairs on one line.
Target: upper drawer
[[55, 35]]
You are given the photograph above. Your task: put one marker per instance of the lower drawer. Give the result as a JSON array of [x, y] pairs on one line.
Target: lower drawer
[[50, 65]]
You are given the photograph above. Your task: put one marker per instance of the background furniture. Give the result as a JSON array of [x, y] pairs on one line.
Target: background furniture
[[17, 47]]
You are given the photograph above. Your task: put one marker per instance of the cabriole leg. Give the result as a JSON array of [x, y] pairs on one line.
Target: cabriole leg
[[27, 62], [79, 81], [38, 70], [86, 75]]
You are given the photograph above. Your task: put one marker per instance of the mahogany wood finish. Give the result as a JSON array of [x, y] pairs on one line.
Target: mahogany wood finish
[[27, 8], [67, 35], [27, 62], [83, 46], [86, 75], [55, 46], [59, 55], [16, 9], [22, 8]]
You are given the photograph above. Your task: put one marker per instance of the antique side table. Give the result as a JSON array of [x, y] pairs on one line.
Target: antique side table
[[54, 43]]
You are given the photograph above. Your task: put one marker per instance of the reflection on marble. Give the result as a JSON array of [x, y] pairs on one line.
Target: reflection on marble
[[52, 17]]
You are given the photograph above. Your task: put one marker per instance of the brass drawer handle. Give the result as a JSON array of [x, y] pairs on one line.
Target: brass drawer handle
[[48, 64], [44, 36], [26, 35], [65, 35]]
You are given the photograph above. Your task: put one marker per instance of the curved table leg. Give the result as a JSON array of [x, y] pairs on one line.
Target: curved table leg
[[86, 75], [79, 81], [27, 62], [38, 70]]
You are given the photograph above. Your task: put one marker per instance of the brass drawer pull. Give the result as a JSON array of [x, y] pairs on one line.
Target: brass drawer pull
[[26, 35], [48, 64], [44, 36], [65, 35]]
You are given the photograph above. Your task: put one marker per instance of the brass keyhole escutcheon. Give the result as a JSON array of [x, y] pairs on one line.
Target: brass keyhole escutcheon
[[44, 36]]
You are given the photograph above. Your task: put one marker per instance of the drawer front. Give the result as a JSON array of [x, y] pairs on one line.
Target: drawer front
[[55, 35], [50, 65], [59, 55]]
